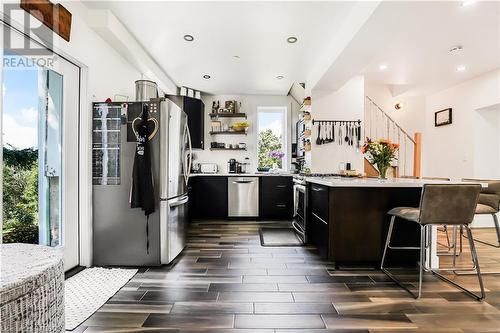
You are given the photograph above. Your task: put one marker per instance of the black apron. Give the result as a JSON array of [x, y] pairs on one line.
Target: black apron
[[142, 192]]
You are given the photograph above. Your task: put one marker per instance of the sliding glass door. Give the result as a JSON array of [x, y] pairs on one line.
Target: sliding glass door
[[40, 144]]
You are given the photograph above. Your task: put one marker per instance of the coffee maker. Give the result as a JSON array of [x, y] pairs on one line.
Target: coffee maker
[[232, 166]]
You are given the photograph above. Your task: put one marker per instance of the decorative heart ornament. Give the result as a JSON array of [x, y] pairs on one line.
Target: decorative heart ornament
[[153, 121]]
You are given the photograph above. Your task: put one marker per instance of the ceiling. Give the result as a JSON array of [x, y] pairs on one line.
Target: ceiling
[[413, 39], [255, 32]]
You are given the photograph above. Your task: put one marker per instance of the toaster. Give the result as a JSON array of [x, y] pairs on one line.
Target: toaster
[[209, 168]]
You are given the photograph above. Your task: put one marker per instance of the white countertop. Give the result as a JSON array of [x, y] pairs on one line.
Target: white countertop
[[375, 182], [242, 174]]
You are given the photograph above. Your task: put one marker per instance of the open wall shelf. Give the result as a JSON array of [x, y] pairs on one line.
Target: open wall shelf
[[229, 132], [242, 149], [227, 115]]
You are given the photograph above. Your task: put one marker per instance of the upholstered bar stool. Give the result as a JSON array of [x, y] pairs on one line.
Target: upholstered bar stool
[[450, 204], [444, 228], [489, 204]]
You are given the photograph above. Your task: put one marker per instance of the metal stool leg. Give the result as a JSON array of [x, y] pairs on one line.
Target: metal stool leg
[[452, 244], [421, 263], [387, 241], [475, 260], [422, 259], [448, 243], [497, 229]]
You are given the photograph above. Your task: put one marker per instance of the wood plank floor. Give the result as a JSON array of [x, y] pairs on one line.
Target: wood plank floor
[[224, 281]]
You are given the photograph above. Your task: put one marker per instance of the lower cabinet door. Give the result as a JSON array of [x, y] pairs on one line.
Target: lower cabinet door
[[319, 234], [209, 197]]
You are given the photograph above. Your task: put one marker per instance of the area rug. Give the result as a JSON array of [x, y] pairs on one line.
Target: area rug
[[279, 237], [88, 290]]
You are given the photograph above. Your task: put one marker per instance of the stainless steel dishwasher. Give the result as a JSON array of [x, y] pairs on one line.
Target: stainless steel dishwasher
[[243, 196]]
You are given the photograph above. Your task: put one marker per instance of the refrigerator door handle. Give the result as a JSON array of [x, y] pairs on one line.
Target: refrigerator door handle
[[188, 170], [180, 202], [184, 157]]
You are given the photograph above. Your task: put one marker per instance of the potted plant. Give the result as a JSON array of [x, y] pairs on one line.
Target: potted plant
[[276, 156], [380, 154]]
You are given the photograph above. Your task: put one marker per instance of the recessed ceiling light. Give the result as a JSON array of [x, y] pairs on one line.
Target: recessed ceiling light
[[382, 67], [291, 39], [206, 76], [466, 3], [236, 56], [279, 77], [461, 68], [188, 38]]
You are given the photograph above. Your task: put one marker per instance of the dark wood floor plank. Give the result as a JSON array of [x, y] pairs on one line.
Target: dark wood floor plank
[[179, 295], [189, 321], [255, 297], [243, 287], [116, 319], [367, 321], [294, 308], [211, 307], [278, 321]]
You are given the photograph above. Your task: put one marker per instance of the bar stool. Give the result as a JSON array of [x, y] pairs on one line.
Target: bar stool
[[489, 204], [450, 204], [443, 228]]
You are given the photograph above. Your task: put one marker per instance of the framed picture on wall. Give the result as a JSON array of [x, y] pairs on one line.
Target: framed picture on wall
[[443, 117]]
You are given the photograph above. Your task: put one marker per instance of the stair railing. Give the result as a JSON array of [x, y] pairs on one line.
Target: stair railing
[[378, 124]]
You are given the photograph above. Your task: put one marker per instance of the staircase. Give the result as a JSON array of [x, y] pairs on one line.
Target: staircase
[[378, 124]]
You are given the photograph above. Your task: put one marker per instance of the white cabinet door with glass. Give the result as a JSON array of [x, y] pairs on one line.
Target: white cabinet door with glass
[[40, 144]]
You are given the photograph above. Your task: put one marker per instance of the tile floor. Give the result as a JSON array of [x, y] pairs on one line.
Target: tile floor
[[224, 281]]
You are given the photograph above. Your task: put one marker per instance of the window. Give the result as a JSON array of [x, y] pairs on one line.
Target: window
[[271, 137]]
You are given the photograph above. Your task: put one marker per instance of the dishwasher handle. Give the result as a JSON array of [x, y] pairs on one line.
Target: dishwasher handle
[[243, 181]]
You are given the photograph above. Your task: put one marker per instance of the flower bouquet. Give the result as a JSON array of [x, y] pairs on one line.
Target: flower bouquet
[[380, 153], [276, 156]]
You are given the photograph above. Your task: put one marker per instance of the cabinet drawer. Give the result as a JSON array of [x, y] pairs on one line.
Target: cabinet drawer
[[319, 201], [276, 197]]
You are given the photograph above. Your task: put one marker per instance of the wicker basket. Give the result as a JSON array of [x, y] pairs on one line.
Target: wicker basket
[[31, 289]]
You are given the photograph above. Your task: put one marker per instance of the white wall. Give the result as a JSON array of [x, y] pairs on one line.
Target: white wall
[[347, 103], [249, 104], [449, 151], [487, 142], [411, 117]]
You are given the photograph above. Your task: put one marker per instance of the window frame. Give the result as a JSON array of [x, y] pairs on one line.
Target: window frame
[[283, 110]]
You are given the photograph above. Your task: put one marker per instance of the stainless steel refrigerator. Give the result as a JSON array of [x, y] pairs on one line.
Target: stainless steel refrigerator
[[119, 232]]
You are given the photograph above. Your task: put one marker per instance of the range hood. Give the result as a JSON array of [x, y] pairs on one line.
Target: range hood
[[297, 92]]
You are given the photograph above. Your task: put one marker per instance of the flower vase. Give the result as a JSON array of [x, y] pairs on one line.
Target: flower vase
[[382, 170]]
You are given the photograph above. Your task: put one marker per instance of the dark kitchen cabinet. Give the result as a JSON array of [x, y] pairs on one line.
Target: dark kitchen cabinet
[[209, 197], [195, 109], [276, 197], [318, 224]]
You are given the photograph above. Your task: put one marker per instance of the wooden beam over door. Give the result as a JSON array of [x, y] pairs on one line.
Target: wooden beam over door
[[55, 17]]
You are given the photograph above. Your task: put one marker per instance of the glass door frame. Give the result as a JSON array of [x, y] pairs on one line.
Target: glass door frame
[[84, 143]]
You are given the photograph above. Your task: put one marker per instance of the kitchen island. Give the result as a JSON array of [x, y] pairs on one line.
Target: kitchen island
[[348, 219]]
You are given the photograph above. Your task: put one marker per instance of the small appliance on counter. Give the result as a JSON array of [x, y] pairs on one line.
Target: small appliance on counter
[[208, 168], [232, 166], [346, 170]]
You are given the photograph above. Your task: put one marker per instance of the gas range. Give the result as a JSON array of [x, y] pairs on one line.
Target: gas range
[[300, 178]]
